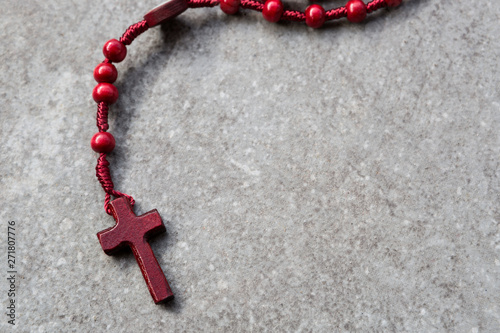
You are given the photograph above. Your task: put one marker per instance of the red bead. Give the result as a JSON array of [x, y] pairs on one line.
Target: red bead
[[114, 50], [393, 3], [356, 11], [230, 7], [102, 142], [105, 72], [105, 92], [272, 10], [315, 16]]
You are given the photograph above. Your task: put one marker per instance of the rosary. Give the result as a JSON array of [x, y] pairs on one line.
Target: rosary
[[131, 231]]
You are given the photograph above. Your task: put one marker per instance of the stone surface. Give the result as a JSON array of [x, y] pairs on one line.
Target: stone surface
[[341, 179]]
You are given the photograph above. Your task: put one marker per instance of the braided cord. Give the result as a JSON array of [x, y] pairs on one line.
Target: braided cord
[[290, 15], [102, 168], [375, 5]]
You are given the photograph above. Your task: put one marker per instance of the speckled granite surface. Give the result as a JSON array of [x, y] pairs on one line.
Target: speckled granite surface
[[345, 179]]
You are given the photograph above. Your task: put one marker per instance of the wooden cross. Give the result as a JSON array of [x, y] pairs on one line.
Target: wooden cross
[[134, 231]]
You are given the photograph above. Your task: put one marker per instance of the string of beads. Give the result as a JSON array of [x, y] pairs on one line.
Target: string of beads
[[105, 93]]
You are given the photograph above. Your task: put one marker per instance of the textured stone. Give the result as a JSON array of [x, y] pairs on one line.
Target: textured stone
[[341, 179]]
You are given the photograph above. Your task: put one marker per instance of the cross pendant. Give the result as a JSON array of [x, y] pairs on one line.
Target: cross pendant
[[134, 231]]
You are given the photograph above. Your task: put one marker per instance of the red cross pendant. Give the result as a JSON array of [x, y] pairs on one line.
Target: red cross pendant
[[134, 231]]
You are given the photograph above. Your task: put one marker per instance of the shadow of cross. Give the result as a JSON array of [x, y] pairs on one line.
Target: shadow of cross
[[134, 231]]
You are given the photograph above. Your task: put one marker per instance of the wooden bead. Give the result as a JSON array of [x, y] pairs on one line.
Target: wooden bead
[[315, 16], [114, 50], [356, 11], [102, 142], [272, 11], [105, 92], [105, 72], [229, 7]]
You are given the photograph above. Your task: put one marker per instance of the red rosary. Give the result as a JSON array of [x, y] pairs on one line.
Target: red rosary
[[131, 231]]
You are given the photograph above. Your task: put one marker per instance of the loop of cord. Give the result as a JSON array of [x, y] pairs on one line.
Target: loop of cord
[[102, 168]]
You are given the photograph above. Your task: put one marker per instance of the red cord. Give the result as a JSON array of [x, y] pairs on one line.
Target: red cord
[[104, 177], [290, 15], [252, 5], [102, 117], [102, 168], [293, 15], [337, 13], [133, 32]]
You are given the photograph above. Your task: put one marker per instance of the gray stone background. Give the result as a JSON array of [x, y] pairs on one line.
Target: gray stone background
[[342, 179]]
